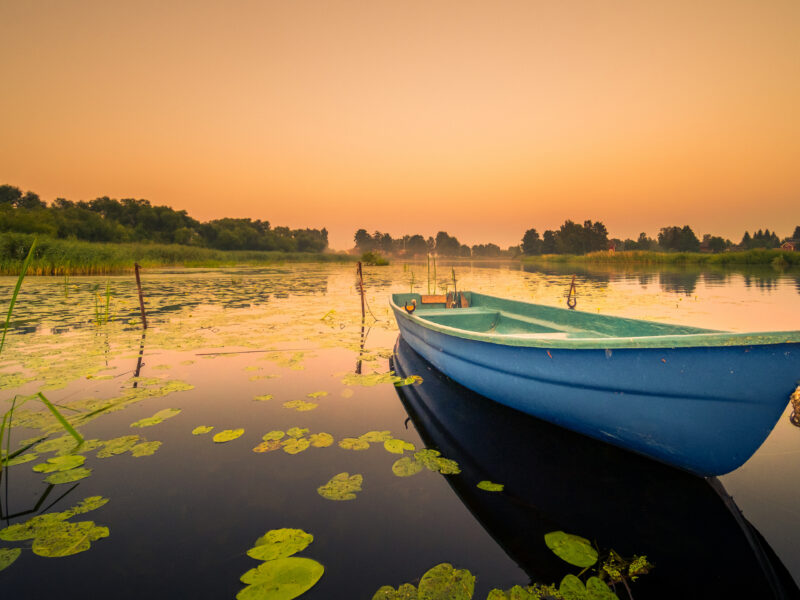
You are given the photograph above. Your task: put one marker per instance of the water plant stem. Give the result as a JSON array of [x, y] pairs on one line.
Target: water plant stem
[[16, 293], [361, 289], [141, 298]]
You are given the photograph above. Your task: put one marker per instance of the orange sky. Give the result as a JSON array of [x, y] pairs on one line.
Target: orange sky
[[480, 118]]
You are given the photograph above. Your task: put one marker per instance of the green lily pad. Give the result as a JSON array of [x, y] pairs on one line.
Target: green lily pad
[[295, 446], [317, 394], [268, 446], [64, 444], [433, 461], [201, 429], [406, 466], [274, 435], [597, 589], [280, 543], [118, 445], [263, 397], [321, 440], [157, 418], [227, 435], [353, 444], [68, 476], [22, 459], [60, 463], [145, 449], [572, 588], [300, 405], [68, 539], [296, 432], [515, 593], [404, 592], [374, 437], [8, 556], [490, 486], [281, 579], [87, 505], [573, 549], [341, 487], [32, 527], [396, 446], [443, 582]]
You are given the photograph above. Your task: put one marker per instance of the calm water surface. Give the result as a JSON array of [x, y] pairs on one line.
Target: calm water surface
[[230, 347]]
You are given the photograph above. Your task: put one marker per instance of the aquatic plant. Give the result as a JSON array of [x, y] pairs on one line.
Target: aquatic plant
[[280, 543], [342, 486], [397, 446], [573, 549], [300, 405], [157, 418], [202, 429], [489, 486], [227, 435], [295, 445], [68, 476], [442, 582]]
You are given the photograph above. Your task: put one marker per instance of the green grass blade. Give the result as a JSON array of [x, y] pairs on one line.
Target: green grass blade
[[21, 277], [70, 429]]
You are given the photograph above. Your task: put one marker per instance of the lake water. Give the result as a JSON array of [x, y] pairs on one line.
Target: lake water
[[230, 348]]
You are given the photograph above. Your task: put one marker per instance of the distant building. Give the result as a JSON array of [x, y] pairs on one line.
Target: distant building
[[789, 246]]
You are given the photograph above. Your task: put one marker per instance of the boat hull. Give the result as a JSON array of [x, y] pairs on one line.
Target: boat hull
[[703, 409]]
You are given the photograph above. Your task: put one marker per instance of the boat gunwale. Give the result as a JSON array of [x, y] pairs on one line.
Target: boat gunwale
[[536, 340]]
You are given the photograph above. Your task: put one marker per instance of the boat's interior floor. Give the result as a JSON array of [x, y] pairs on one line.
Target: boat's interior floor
[[489, 320]]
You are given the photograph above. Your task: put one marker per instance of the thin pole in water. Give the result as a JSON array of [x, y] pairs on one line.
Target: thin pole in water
[[141, 298], [361, 289]]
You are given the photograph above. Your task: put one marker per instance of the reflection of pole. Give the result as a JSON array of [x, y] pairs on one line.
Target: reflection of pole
[[360, 349], [139, 362], [572, 299], [361, 289], [141, 299]]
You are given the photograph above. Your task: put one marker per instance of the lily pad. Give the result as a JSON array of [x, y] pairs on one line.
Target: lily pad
[[375, 437], [280, 543], [353, 444], [32, 527], [145, 449], [300, 405], [404, 592], [490, 486], [227, 435], [200, 430], [60, 463], [573, 549], [296, 432], [443, 582], [341, 487], [599, 590], [432, 460], [396, 446], [8, 556], [157, 418], [317, 394], [68, 539], [263, 397], [268, 446], [118, 446], [406, 466], [295, 446], [87, 505], [572, 588], [273, 435], [68, 476], [281, 579], [22, 459], [321, 440]]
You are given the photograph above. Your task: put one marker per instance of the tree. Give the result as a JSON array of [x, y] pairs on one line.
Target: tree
[[9, 195], [681, 239], [531, 243], [796, 234], [363, 240], [447, 245], [549, 242], [416, 245]]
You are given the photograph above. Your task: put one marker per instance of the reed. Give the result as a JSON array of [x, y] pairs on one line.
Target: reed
[[775, 258]]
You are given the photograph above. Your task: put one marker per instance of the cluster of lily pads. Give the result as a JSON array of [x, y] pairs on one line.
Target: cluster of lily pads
[[53, 534], [281, 575]]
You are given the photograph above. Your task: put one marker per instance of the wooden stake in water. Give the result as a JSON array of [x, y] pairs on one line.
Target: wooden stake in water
[[361, 289], [141, 298]]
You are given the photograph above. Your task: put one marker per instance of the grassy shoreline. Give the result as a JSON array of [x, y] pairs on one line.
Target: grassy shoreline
[[71, 257], [772, 258]]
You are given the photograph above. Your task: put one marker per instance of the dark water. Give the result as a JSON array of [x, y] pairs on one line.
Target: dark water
[[182, 519]]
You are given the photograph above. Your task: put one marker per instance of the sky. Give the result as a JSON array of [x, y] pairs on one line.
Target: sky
[[483, 119]]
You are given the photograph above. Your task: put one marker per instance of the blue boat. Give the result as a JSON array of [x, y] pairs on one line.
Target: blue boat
[[698, 399]]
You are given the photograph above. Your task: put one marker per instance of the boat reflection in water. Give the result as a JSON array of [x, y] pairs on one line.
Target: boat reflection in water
[[687, 526]]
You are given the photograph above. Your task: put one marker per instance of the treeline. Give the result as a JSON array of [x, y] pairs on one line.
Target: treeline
[[443, 244], [132, 220]]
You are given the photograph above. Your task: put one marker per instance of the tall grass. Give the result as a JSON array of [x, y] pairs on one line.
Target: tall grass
[[71, 257], [777, 258]]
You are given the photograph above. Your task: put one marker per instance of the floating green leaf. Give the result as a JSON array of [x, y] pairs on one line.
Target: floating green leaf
[[353, 444], [22, 459], [281, 579], [145, 449], [341, 487], [598, 590], [68, 539], [87, 505], [118, 446], [157, 418], [274, 435], [268, 446], [295, 446], [280, 543], [490, 486], [32, 527], [68, 476], [406, 466], [60, 463], [370, 379], [396, 446], [443, 582], [296, 432], [300, 405], [376, 436], [572, 588], [64, 444], [317, 394], [227, 435], [573, 549], [321, 440], [404, 592], [200, 430], [433, 461], [515, 593], [263, 397], [8, 556]]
